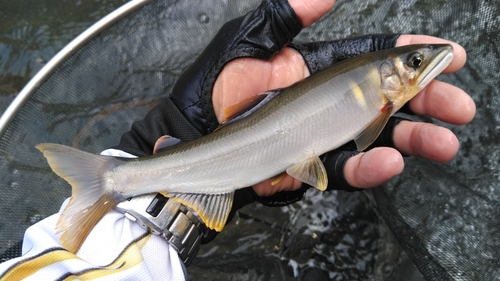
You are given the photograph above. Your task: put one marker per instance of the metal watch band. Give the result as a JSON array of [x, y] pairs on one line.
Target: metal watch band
[[170, 219]]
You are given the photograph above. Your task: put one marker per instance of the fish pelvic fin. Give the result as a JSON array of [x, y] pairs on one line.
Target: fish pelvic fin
[[278, 179], [212, 209], [310, 171], [90, 196]]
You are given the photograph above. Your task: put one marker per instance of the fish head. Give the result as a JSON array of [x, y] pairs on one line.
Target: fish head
[[410, 69]]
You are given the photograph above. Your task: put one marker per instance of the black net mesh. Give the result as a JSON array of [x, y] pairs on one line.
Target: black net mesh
[[443, 218]]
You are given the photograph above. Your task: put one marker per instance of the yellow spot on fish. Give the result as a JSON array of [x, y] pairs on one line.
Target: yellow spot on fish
[[358, 93]]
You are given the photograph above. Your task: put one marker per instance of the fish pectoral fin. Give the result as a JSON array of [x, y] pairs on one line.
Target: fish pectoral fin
[[371, 133], [310, 171], [247, 106], [165, 142], [213, 209]]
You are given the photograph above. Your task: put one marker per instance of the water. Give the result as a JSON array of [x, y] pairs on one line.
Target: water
[[32, 32]]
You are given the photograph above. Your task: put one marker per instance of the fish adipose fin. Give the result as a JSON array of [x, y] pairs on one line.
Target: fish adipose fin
[[89, 199], [247, 106], [310, 171], [371, 133], [213, 209], [166, 142]]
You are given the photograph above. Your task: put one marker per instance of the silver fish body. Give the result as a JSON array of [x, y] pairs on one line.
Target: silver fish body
[[308, 119], [350, 100]]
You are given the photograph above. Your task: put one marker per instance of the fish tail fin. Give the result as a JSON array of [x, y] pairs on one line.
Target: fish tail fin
[[90, 199]]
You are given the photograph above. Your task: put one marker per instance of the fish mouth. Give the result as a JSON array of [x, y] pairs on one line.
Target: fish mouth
[[436, 66]]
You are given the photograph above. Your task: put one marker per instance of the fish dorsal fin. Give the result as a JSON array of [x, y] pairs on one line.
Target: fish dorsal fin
[[247, 106], [213, 209], [370, 134], [164, 143], [310, 171]]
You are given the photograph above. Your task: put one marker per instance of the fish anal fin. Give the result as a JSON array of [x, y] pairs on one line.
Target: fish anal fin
[[247, 106], [213, 209], [370, 134], [310, 171]]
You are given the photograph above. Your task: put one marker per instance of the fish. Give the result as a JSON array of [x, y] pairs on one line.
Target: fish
[[284, 130]]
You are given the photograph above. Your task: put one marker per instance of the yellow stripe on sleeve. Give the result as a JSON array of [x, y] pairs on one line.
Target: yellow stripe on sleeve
[[128, 258], [29, 266]]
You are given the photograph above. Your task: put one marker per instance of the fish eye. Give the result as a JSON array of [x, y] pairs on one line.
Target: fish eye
[[415, 60]]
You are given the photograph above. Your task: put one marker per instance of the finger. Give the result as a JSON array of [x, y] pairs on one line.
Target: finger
[[309, 11], [425, 140], [364, 170], [445, 102], [459, 54], [373, 167]]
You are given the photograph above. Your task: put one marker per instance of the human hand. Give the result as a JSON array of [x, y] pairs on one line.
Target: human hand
[[245, 77]]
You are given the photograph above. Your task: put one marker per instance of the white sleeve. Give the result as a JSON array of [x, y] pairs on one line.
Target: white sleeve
[[115, 249]]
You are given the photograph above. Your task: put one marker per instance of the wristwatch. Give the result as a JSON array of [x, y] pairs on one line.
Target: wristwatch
[[170, 219]]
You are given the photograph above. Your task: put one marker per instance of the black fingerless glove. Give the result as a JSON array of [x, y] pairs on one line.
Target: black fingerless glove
[[260, 34], [188, 113]]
